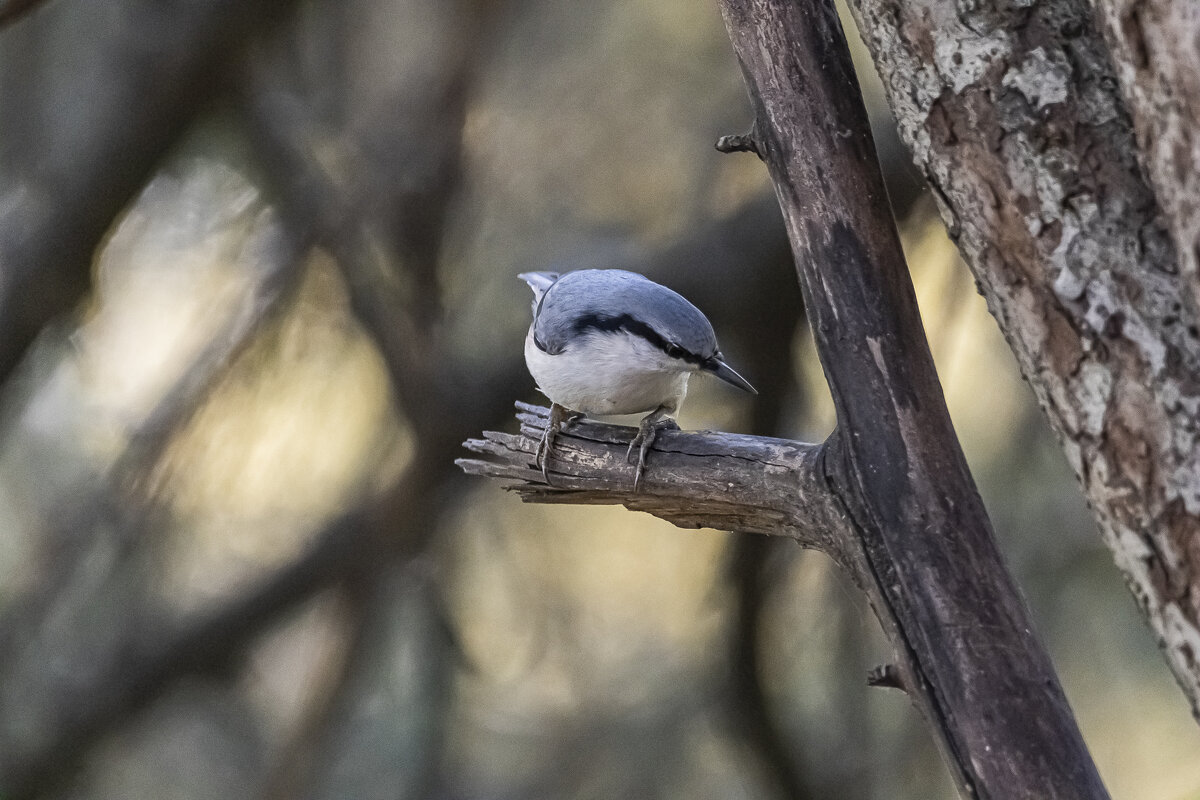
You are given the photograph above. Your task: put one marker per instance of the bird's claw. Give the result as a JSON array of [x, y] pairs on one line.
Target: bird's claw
[[560, 417], [542, 457], [647, 432]]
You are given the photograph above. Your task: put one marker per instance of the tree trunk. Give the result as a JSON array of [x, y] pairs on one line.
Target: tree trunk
[[1013, 112], [1156, 49]]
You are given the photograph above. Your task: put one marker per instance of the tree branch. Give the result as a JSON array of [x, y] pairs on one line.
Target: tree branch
[[693, 480], [738, 143]]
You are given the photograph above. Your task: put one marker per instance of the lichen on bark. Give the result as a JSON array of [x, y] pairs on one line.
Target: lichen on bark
[[1014, 113], [1155, 44]]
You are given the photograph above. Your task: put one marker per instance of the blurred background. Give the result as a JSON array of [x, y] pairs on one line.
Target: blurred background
[[260, 282]]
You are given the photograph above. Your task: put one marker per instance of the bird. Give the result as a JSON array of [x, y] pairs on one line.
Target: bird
[[609, 342]]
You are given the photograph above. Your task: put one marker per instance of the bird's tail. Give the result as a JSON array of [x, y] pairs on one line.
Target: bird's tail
[[539, 282]]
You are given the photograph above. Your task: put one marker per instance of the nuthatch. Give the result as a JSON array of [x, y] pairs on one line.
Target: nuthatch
[[608, 341]]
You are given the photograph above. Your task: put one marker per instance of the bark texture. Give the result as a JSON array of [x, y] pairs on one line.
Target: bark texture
[[723, 480], [1156, 49], [1013, 112]]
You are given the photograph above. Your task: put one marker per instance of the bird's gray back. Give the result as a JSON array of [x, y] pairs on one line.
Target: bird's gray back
[[616, 300]]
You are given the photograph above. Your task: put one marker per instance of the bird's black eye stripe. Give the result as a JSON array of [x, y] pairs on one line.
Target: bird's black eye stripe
[[629, 324]]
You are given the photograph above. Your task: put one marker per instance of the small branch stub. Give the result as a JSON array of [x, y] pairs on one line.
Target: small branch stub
[[886, 676], [739, 143]]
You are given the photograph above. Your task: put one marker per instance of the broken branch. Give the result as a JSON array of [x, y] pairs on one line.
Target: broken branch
[[693, 479]]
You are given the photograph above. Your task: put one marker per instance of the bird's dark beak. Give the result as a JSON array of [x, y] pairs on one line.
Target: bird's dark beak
[[718, 367]]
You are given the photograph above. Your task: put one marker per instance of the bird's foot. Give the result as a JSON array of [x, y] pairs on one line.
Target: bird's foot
[[560, 417], [648, 431]]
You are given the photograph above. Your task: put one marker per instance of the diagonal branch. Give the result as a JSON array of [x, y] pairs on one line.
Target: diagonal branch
[[932, 569]]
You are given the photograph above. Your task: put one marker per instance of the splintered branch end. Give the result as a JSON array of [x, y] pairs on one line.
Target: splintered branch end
[[698, 479]]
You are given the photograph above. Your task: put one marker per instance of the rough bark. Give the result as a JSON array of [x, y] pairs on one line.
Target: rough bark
[[1156, 47], [1013, 112], [748, 483]]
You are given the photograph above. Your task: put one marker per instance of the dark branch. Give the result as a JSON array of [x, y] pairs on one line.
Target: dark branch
[[889, 495]]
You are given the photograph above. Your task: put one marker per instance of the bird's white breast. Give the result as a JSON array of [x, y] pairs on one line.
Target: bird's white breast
[[608, 373]]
